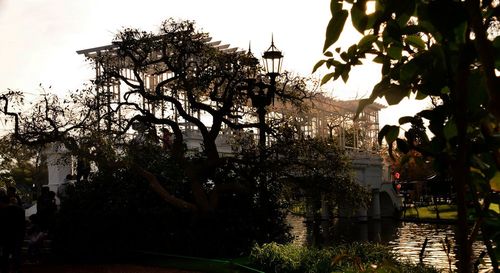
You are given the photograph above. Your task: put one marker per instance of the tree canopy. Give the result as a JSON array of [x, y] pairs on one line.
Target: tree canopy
[[152, 91], [175, 80], [449, 51]]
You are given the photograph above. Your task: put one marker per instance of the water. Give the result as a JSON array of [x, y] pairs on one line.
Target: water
[[404, 238]]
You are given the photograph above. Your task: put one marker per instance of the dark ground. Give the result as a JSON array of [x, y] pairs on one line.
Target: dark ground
[[112, 268]]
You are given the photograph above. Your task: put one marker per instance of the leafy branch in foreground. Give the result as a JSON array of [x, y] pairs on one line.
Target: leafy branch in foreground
[[448, 51]]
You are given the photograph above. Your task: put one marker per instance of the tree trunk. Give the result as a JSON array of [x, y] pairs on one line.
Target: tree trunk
[[460, 164]]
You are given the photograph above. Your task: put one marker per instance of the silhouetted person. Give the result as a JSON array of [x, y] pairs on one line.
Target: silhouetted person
[[46, 208], [82, 169], [13, 197], [35, 237], [61, 190], [167, 139], [12, 234]]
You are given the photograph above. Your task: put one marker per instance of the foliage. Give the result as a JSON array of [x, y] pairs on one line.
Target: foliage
[[318, 168], [171, 80], [20, 166], [406, 160], [176, 81], [118, 212], [451, 59], [356, 257]]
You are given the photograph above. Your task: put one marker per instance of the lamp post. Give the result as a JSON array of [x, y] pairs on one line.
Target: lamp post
[[261, 93], [273, 59]]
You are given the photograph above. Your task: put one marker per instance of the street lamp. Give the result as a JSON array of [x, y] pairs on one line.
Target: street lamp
[[261, 93], [273, 59]]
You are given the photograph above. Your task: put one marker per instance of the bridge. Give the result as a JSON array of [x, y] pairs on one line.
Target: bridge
[[330, 118]]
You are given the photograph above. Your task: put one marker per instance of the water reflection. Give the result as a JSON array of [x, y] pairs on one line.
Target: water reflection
[[410, 238], [406, 239]]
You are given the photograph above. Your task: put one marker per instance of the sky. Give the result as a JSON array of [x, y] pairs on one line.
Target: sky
[[40, 38]]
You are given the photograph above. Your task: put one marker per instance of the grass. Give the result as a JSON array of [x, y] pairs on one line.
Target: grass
[[354, 257], [141, 261], [238, 265], [446, 212]]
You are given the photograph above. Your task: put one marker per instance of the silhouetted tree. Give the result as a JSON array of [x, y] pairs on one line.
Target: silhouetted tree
[[205, 89]]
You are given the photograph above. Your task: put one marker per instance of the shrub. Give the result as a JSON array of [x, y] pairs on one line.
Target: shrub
[[274, 257], [356, 257], [118, 212]]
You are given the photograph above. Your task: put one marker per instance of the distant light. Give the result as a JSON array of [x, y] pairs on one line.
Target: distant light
[[396, 175]]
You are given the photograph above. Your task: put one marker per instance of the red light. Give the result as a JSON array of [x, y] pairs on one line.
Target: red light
[[396, 175]]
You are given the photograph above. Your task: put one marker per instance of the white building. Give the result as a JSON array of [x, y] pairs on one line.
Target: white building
[[328, 118]]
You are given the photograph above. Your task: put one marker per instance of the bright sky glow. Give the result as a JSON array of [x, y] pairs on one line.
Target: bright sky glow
[[40, 38]]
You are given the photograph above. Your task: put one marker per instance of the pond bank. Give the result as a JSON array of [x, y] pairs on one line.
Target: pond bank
[[405, 238]]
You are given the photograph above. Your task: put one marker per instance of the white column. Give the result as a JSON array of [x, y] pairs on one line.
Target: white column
[[362, 215], [58, 164], [375, 206]]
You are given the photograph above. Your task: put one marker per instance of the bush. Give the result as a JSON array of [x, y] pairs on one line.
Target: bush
[[118, 212], [274, 257], [356, 257]]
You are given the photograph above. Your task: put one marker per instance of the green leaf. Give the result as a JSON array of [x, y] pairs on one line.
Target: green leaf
[[382, 133], [335, 6], [395, 52], [379, 88], [386, 67], [352, 50], [339, 69], [409, 71], [345, 74], [421, 95], [445, 90], [394, 94], [392, 32], [332, 62], [496, 42], [362, 104], [402, 146], [392, 134], [403, 19], [415, 41], [328, 54], [379, 59], [484, 163], [358, 16], [344, 56], [412, 29], [318, 65], [389, 132], [366, 42], [450, 129], [327, 77], [495, 182], [334, 28], [404, 120]]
